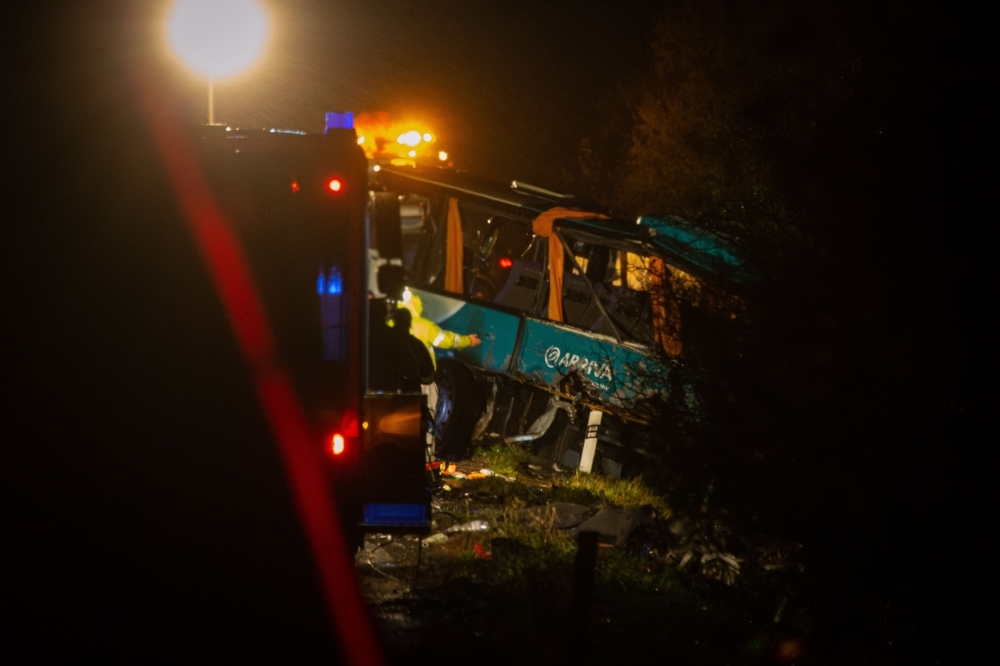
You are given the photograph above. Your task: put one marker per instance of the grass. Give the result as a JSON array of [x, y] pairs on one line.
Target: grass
[[505, 458], [625, 493], [524, 542]]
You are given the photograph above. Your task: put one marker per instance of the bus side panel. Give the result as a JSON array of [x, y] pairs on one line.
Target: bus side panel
[[497, 330], [616, 373]]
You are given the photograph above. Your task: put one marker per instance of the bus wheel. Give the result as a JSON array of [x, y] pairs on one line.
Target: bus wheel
[[460, 403]]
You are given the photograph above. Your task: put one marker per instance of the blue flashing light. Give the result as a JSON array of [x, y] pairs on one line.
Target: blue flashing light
[[339, 120], [330, 285], [396, 514], [335, 284]]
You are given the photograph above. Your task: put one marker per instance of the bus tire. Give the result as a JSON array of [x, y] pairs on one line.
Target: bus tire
[[460, 403]]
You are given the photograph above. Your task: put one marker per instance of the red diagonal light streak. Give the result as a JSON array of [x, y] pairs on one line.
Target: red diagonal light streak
[[226, 263]]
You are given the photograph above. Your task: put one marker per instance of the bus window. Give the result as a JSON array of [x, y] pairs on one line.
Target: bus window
[[502, 243], [414, 216]]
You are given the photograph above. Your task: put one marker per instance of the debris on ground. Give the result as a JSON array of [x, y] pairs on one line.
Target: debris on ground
[[615, 525], [563, 515], [435, 538], [471, 526], [496, 572]]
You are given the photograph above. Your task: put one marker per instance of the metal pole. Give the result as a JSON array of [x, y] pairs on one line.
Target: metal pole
[[211, 102], [590, 442]]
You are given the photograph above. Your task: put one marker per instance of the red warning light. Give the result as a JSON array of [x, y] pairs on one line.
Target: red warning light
[[505, 262], [335, 185], [337, 444], [295, 186]]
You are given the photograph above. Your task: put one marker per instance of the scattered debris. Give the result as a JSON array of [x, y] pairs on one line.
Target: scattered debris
[[471, 526], [435, 538], [558, 515], [617, 524], [569, 515], [723, 567]]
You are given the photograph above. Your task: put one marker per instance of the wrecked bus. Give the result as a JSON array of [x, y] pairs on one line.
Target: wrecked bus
[[577, 311]]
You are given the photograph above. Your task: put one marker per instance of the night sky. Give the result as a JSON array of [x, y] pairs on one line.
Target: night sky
[[510, 86], [141, 468]]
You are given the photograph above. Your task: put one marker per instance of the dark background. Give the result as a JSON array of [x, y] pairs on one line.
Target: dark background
[[149, 511]]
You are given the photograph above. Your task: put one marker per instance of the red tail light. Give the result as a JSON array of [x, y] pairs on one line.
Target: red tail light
[[335, 185], [295, 186], [337, 444], [505, 262]]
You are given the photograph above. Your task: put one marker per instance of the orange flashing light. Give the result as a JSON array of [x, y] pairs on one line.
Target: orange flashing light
[[335, 185]]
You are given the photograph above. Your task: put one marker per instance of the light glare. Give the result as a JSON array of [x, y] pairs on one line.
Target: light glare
[[218, 37], [411, 138]]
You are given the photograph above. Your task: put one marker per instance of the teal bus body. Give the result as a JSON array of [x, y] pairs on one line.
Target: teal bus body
[[545, 353]]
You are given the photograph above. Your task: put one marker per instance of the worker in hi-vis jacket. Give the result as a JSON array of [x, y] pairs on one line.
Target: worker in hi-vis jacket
[[433, 336]]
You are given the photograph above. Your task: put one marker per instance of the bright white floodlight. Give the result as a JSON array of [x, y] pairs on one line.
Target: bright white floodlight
[[217, 38]]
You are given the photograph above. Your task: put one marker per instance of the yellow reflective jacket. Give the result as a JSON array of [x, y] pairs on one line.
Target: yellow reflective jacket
[[430, 333]]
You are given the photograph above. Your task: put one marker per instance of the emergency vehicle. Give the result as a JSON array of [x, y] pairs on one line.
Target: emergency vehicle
[[298, 205]]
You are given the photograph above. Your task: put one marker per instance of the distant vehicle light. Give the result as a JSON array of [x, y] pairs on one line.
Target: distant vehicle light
[[376, 168], [407, 295], [428, 138], [411, 138], [337, 444], [443, 156], [339, 120], [295, 186], [505, 262], [335, 185]]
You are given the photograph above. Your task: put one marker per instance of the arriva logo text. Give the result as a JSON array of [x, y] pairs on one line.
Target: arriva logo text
[[554, 358]]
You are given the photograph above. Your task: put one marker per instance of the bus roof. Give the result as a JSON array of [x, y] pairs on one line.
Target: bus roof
[[698, 251]]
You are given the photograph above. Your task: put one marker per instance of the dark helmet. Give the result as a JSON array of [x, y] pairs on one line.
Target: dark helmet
[[401, 319]]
